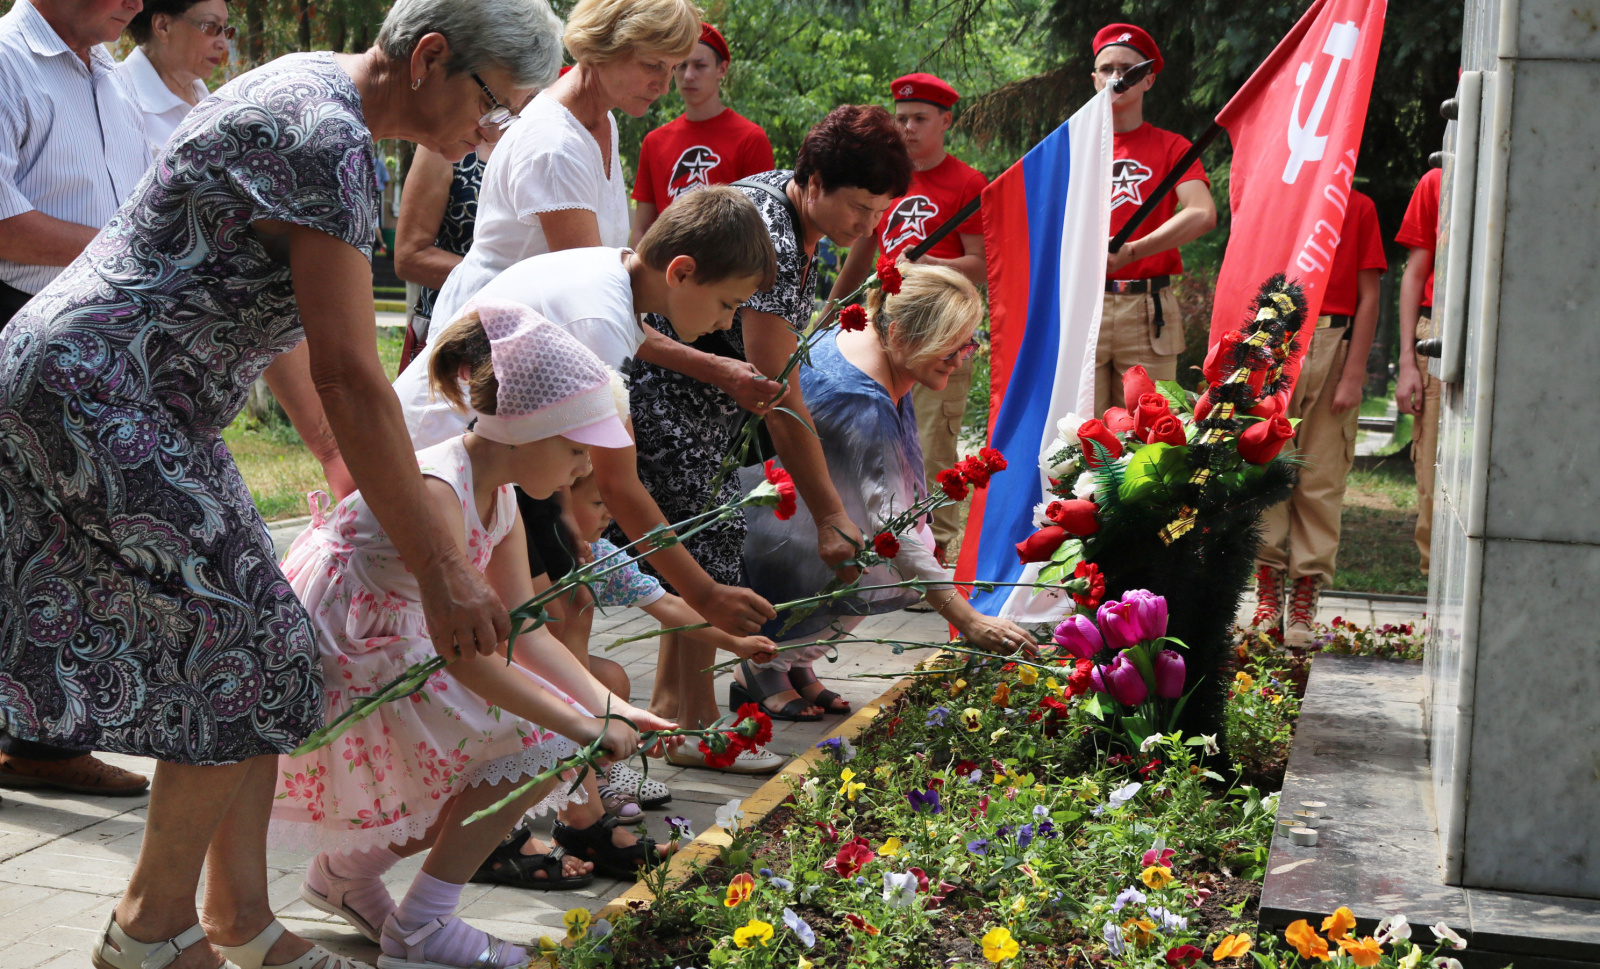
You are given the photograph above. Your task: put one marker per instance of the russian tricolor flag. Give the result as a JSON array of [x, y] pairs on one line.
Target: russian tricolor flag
[[1046, 222]]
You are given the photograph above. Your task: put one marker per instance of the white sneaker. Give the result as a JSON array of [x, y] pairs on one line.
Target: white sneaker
[[629, 782], [758, 761]]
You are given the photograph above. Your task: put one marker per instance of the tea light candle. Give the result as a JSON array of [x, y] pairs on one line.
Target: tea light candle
[[1316, 806], [1286, 823], [1308, 819], [1304, 837]]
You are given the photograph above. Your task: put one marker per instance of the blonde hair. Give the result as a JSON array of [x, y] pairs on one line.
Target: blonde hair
[[465, 344], [599, 31], [934, 307]]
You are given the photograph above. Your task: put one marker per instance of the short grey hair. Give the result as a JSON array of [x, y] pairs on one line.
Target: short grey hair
[[521, 36]]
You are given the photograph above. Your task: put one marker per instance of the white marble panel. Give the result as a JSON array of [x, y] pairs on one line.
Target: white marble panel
[[1449, 699], [1561, 29], [1544, 460], [1533, 807]]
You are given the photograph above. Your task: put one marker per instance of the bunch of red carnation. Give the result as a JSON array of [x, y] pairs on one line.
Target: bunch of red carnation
[[971, 472], [853, 317], [889, 277], [752, 729], [1096, 587], [1053, 711]]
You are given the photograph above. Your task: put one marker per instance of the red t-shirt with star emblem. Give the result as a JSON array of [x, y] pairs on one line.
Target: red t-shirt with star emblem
[[1360, 247], [1420, 228], [683, 155], [1140, 159], [934, 196]]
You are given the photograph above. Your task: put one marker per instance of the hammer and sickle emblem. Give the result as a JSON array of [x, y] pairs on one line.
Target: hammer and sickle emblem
[[1304, 142]]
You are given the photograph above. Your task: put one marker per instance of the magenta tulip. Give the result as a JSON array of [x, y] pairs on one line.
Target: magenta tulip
[[1124, 683], [1077, 635], [1118, 626], [1149, 613], [1169, 670]]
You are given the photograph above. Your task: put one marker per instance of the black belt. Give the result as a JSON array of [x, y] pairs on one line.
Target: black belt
[[1154, 284], [1339, 322]]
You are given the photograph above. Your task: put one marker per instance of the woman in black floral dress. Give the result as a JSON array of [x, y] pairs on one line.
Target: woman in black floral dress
[[851, 165], [141, 609]]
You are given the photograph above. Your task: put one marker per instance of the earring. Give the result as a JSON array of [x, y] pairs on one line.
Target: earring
[[416, 83]]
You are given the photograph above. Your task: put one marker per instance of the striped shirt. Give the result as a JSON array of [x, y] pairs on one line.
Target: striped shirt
[[72, 141]]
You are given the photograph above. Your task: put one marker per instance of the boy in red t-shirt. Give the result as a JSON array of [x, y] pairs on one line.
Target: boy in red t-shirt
[[1141, 323], [940, 185], [1416, 392], [709, 144], [1302, 534]]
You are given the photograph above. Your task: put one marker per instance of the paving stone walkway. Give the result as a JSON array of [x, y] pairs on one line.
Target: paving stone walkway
[[64, 858]]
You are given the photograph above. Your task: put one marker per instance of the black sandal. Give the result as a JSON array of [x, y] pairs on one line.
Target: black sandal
[[594, 844], [801, 677], [507, 865], [777, 681]]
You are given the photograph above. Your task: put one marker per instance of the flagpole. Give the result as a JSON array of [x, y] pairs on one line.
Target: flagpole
[[1129, 78], [1166, 185]]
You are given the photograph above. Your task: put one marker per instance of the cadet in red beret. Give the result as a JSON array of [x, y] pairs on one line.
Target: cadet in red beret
[[1141, 324], [709, 144], [940, 185]]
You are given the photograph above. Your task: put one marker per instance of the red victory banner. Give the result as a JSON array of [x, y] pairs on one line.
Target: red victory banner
[[1296, 130]]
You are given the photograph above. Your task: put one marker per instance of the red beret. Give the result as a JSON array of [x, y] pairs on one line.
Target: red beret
[[924, 87], [1129, 36], [712, 38]]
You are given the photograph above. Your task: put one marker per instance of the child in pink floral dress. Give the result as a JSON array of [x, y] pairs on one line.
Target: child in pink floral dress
[[402, 780]]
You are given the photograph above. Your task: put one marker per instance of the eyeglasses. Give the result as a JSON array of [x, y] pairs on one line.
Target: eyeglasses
[[1109, 71], [961, 354], [499, 115], [211, 28]]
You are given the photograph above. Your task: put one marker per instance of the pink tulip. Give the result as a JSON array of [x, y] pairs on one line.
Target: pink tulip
[[1077, 635], [1124, 683], [1118, 626], [1149, 613], [1169, 670]]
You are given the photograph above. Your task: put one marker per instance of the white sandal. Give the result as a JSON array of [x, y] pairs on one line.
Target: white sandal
[[333, 902], [252, 954], [630, 783], [118, 950], [416, 941]]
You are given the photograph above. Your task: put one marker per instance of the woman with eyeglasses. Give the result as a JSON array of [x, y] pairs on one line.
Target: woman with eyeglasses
[[858, 389], [142, 609], [181, 42]]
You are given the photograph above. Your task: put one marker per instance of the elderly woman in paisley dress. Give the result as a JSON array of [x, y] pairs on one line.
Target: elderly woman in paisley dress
[[141, 609]]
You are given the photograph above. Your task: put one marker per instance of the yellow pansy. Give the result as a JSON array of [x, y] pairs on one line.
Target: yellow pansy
[[971, 719], [957, 687], [1027, 675], [891, 847], [1141, 931], [846, 787], [882, 772], [1053, 685], [1244, 680], [999, 733], [998, 945], [804, 963], [752, 932], [1156, 877], [1411, 959], [1232, 947], [1020, 905], [577, 922]]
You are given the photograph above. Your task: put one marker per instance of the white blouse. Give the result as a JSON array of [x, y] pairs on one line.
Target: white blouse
[[163, 110], [546, 162]]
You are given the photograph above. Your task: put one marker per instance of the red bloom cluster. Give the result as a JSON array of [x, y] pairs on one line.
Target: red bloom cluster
[[853, 856], [752, 729], [992, 459], [861, 923], [1052, 711], [1079, 680], [952, 484], [1089, 599], [886, 545], [787, 496], [853, 317], [971, 472], [889, 275]]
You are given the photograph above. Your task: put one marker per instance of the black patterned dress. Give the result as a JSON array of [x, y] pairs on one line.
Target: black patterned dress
[[455, 228], [684, 427], [141, 606]]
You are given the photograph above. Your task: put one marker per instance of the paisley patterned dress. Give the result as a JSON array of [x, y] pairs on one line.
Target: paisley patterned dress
[[455, 228], [141, 607]]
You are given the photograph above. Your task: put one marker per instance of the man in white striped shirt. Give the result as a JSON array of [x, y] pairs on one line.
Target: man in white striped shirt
[[71, 142], [72, 147]]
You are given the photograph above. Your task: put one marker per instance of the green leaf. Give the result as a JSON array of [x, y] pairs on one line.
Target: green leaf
[[1175, 395], [1152, 474], [797, 417]]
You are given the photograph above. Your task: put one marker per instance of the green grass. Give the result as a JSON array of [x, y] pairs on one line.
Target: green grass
[[275, 463], [1376, 550]]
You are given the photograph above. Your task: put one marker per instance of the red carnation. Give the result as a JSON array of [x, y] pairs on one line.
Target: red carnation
[[1090, 598], [974, 471], [1079, 679], [950, 482], [853, 317], [718, 752], [760, 734], [889, 277], [886, 545], [780, 480], [992, 459]]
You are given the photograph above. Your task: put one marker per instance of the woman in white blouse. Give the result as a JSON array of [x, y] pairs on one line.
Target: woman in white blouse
[[180, 43], [555, 181]]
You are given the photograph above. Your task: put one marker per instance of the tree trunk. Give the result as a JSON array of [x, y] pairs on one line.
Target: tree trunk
[[304, 6], [255, 26]]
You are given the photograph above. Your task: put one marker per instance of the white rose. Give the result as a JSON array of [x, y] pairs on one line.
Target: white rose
[[1061, 471], [1039, 519], [1084, 486], [1068, 426]]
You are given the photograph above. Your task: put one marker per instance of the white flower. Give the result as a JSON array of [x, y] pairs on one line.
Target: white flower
[[1211, 744], [1411, 959], [1446, 962], [899, 890], [847, 750], [1124, 794], [998, 734], [1084, 487], [1149, 742], [1065, 469], [1068, 426], [812, 789], [1040, 520], [729, 816], [1445, 933], [1392, 928]]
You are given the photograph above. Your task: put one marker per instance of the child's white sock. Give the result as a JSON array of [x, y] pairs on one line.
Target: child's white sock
[[456, 943]]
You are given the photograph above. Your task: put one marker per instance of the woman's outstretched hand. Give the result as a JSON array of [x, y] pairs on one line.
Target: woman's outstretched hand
[[462, 611]]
